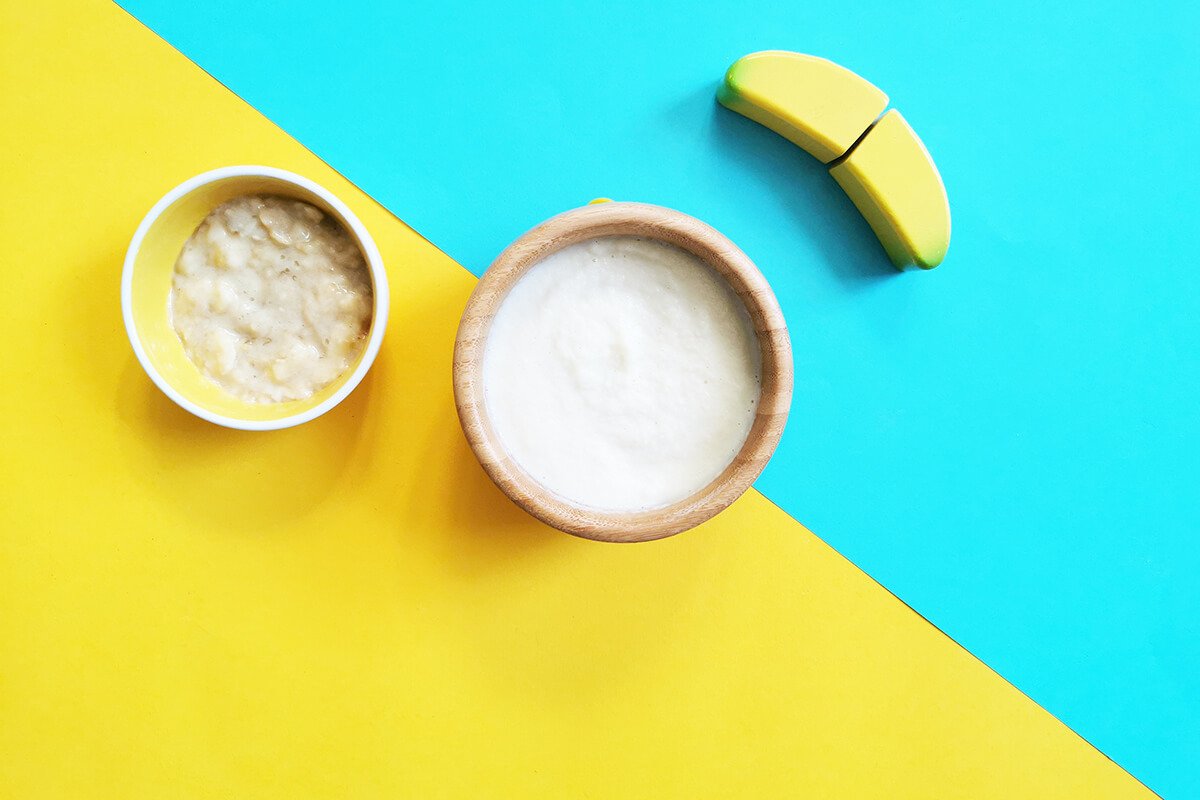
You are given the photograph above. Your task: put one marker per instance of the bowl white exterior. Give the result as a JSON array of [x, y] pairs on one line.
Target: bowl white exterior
[[357, 229]]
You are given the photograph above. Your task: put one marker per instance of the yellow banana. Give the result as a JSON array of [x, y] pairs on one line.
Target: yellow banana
[[834, 114]]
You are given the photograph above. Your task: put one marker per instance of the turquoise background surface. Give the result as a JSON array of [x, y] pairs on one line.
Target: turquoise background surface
[[1009, 443]]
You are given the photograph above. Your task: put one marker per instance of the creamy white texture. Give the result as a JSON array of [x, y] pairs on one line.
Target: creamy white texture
[[271, 299], [622, 373]]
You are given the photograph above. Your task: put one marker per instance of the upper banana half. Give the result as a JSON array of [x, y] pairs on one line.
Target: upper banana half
[[834, 114]]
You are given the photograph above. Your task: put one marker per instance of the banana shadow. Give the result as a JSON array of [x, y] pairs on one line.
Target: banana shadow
[[824, 215]]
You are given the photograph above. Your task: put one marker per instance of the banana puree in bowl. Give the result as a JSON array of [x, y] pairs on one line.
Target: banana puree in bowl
[[254, 298]]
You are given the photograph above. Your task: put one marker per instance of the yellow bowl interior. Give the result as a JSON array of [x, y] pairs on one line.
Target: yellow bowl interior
[[153, 269]]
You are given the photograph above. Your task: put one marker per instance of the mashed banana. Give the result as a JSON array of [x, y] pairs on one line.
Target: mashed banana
[[271, 299]]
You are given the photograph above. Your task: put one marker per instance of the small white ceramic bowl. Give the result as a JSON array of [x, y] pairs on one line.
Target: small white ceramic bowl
[[146, 286]]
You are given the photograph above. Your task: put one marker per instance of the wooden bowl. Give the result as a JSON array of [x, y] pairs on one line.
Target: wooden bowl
[[623, 219]]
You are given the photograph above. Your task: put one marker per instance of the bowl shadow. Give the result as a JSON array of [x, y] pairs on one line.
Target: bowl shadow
[[448, 495], [231, 480], [245, 481]]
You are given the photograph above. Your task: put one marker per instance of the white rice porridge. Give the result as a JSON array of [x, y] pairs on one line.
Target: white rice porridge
[[622, 374], [271, 299]]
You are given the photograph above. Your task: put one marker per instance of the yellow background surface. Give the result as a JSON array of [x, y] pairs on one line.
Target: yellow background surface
[[350, 608]]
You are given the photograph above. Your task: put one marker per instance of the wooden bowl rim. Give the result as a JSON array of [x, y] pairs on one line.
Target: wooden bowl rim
[[623, 219]]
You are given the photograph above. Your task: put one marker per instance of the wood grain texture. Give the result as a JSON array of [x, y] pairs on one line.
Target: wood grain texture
[[624, 219]]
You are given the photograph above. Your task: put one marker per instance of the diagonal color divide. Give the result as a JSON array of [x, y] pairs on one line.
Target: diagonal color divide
[[1007, 443], [349, 608]]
